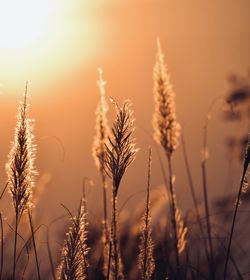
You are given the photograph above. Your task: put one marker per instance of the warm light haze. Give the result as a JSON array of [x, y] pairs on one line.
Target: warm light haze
[[124, 146]]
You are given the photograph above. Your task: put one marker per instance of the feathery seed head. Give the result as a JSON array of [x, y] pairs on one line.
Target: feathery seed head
[[146, 262], [102, 128], [120, 150], [73, 263], [20, 166], [166, 127]]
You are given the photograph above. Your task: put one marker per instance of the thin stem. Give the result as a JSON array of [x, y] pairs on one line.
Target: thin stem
[[3, 191], [115, 261], [207, 214], [15, 244], [147, 216], [34, 244], [190, 180], [233, 222], [105, 211], [2, 248], [109, 259], [205, 194], [50, 256], [173, 206], [105, 218]]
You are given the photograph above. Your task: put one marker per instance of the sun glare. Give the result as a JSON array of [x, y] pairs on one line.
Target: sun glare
[[22, 23], [45, 38]]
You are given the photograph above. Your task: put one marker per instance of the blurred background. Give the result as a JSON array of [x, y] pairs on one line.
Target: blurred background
[[58, 47]]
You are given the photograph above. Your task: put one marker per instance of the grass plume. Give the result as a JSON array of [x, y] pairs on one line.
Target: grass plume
[[166, 127], [166, 130], [102, 128], [20, 167], [73, 263], [119, 154]]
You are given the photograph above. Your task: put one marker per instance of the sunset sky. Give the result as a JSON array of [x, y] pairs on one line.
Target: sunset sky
[[58, 45]]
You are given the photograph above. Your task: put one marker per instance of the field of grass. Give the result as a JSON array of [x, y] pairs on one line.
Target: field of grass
[[162, 242]]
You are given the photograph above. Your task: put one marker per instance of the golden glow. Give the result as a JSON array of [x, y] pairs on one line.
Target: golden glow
[[45, 38], [22, 23]]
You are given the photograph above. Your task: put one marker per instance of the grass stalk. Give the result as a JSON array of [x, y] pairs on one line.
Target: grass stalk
[[109, 259], [15, 245], [34, 244], [52, 268], [192, 191], [205, 195], [173, 214], [114, 236], [233, 221], [2, 247], [146, 226], [207, 214], [3, 191], [105, 209], [105, 228], [146, 260]]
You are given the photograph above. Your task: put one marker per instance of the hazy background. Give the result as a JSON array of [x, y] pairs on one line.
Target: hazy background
[[203, 42]]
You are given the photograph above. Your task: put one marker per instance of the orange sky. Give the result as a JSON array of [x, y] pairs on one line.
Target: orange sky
[[203, 41]]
